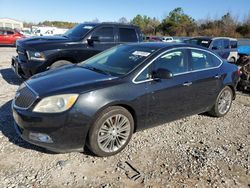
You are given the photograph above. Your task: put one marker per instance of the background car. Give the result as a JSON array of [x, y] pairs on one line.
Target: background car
[[77, 44], [9, 36], [102, 101], [223, 46]]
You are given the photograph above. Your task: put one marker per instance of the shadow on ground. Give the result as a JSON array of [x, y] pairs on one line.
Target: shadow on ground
[[9, 76]]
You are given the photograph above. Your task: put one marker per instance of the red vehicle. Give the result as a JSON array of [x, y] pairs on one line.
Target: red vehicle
[[9, 36]]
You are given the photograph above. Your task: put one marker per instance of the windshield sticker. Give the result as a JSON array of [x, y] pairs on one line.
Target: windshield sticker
[[141, 53], [87, 27], [204, 42]]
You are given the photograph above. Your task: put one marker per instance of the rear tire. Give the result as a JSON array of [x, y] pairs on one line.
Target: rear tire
[[223, 103], [232, 60], [111, 131], [60, 63]]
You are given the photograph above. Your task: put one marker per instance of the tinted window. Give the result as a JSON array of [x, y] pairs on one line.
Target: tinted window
[[118, 60], [1, 32], [233, 44], [226, 44], [217, 44], [199, 41], [203, 60], [105, 34], [127, 35], [174, 61], [10, 32]]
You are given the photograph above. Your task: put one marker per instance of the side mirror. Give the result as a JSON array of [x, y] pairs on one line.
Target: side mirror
[[162, 74], [93, 39]]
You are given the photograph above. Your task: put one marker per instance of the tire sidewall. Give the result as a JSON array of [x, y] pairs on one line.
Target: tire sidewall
[[60, 63], [94, 129], [217, 101]]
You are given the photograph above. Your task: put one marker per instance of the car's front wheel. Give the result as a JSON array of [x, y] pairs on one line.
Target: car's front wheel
[[60, 63], [223, 103], [111, 131]]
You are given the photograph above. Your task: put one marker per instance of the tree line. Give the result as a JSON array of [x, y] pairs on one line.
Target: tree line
[[178, 23]]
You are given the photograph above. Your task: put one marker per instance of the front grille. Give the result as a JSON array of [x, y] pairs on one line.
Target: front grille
[[25, 97], [21, 53]]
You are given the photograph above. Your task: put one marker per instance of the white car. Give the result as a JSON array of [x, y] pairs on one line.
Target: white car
[[167, 39]]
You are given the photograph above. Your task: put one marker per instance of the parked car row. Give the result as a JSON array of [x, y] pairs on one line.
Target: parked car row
[[99, 102], [9, 36]]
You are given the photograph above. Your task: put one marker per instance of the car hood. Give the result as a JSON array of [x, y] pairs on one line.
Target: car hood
[[34, 42], [67, 79]]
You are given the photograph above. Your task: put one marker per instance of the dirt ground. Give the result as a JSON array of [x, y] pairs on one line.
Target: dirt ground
[[197, 151]]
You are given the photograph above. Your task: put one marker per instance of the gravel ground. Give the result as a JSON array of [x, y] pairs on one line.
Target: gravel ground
[[197, 151]]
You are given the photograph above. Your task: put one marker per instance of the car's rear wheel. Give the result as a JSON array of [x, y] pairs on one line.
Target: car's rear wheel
[[223, 103], [60, 63], [111, 131], [232, 60]]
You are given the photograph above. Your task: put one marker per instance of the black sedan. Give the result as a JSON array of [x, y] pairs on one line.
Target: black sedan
[[102, 101]]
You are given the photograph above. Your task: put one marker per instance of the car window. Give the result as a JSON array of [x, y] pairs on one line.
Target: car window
[[1, 32], [203, 60], [217, 44], [226, 44], [10, 32], [144, 75], [119, 60], [105, 34], [127, 35], [233, 44], [174, 61]]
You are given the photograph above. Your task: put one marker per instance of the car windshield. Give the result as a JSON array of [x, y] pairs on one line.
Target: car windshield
[[78, 31], [200, 42], [119, 60]]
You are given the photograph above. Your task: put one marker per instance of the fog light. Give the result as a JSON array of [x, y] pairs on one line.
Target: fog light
[[40, 137]]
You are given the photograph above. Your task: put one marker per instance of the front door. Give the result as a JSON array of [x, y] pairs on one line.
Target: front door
[[170, 99]]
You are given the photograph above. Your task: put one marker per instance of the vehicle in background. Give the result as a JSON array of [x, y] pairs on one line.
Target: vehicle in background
[[244, 65], [153, 39], [76, 45], [9, 36], [225, 47], [167, 39], [27, 32], [102, 101]]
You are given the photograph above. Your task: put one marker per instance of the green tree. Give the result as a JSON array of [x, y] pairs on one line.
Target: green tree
[[177, 23]]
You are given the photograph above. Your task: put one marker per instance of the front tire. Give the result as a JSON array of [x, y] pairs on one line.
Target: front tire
[[111, 131], [60, 63], [223, 103]]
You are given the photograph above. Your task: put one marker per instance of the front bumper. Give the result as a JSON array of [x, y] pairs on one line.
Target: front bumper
[[67, 134], [26, 69]]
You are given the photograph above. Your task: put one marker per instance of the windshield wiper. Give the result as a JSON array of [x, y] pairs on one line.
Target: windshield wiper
[[97, 70]]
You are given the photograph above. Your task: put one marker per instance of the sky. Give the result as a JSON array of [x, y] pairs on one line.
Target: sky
[[111, 10]]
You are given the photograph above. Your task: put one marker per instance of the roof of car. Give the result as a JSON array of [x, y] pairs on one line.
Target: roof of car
[[109, 23], [212, 38], [163, 45]]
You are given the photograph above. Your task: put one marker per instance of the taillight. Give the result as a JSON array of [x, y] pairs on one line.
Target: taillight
[[239, 71]]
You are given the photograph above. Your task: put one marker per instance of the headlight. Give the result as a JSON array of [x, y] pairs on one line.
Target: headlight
[[39, 56], [57, 103]]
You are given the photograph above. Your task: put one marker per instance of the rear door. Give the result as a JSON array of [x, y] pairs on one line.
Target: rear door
[[207, 78]]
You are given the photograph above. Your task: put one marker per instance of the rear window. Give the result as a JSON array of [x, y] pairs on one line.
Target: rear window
[[10, 32], [233, 44], [200, 42], [127, 35]]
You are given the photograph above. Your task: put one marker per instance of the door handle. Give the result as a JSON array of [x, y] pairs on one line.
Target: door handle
[[187, 83], [217, 76]]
